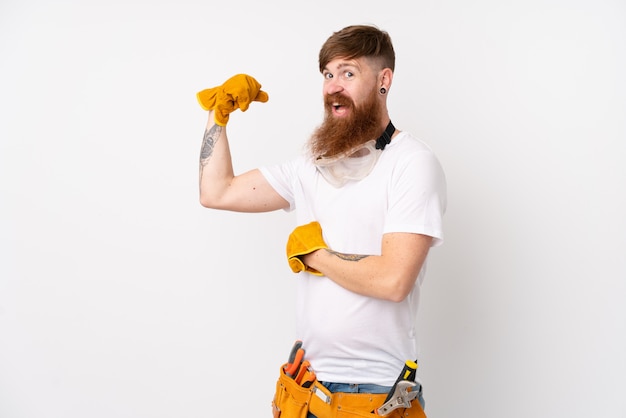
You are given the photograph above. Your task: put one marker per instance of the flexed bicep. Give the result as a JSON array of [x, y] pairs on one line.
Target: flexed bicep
[[219, 187]]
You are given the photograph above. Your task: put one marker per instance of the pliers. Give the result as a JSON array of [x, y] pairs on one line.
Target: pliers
[[298, 368], [295, 359]]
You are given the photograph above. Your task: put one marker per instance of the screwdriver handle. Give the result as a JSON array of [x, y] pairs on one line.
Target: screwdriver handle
[[409, 371]]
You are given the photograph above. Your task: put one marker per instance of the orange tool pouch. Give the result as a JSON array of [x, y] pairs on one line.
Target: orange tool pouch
[[294, 401]]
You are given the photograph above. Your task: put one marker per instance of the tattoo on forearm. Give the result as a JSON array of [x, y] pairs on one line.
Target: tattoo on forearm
[[348, 257], [208, 143]]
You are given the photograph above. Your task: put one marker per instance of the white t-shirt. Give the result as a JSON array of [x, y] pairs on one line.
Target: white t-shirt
[[351, 338]]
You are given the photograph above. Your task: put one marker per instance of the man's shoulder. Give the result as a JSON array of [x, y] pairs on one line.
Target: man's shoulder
[[408, 147]]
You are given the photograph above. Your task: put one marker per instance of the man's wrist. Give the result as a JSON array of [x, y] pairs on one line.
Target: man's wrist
[[310, 259]]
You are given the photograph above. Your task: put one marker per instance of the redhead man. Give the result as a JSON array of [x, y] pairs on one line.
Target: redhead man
[[369, 202]]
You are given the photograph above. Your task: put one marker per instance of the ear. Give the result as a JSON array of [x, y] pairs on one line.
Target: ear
[[385, 77]]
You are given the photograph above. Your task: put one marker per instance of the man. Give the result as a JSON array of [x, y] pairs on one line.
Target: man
[[369, 200]]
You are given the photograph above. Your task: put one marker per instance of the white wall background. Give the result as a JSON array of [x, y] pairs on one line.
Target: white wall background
[[121, 297]]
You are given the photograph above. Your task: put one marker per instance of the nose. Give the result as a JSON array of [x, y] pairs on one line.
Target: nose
[[333, 86]]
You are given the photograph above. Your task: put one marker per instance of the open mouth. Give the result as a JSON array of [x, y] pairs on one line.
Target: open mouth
[[338, 104], [339, 110]]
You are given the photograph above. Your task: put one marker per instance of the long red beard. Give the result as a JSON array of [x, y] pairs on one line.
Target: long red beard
[[336, 135]]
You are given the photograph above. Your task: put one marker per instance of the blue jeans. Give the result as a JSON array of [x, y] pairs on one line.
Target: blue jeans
[[363, 388]]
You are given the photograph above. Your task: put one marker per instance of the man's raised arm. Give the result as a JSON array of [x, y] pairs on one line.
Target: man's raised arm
[[220, 188]]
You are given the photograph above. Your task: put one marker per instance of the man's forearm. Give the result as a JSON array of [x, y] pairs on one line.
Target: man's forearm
[[359, 273], [211, 136], [347, 257], [389, 276], [216, 168]]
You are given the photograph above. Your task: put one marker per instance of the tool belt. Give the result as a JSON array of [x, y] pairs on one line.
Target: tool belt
[[293, 400]]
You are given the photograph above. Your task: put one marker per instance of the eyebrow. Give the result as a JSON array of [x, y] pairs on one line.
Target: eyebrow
[[342, 65]]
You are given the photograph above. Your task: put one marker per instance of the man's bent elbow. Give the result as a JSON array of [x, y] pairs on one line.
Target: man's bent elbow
[[208, 201], [397, 296], [205, 203], [400, 290]]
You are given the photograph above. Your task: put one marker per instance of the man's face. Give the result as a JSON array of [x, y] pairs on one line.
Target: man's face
[[347, 83], [353, 107]]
